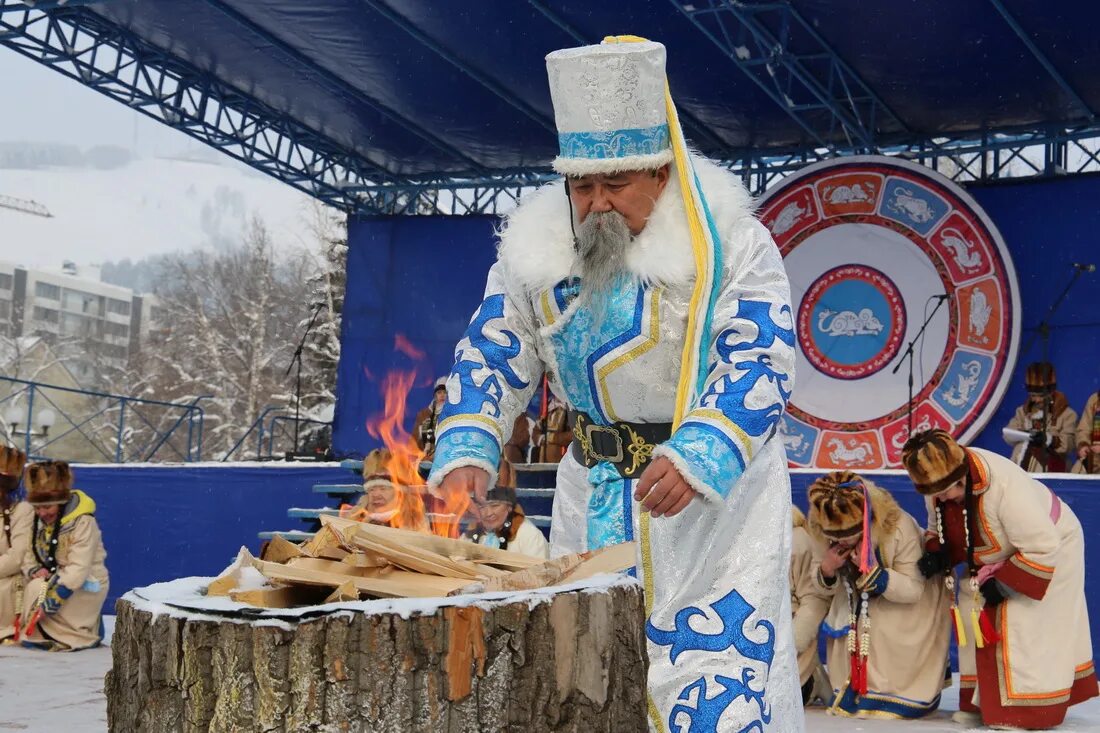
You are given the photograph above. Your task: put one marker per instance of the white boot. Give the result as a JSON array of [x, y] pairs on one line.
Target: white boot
[[964, 717]]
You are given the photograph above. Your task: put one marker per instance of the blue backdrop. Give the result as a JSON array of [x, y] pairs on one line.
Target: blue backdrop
[[424, 276], [166, 522]]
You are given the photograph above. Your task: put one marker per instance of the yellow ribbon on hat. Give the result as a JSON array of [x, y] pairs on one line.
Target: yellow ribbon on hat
[[705, 251]]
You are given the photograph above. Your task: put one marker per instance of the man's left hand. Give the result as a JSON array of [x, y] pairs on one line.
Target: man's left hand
[[662, 490]]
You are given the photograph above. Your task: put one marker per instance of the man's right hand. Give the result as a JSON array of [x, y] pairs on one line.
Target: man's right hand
[[834, 559], [473, 480]]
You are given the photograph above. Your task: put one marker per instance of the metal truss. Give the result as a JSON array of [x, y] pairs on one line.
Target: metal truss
[[833, 106], [97, 53], [782, 53]]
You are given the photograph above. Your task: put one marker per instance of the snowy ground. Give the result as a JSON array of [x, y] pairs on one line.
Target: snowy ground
[[43, 693]]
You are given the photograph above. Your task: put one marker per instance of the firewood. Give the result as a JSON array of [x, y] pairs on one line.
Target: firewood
[[406, 585], [280, 550], [286, 596], [611, 559], [326, 543], [231, 576], [439, 545], [565, 569], [343, 593]]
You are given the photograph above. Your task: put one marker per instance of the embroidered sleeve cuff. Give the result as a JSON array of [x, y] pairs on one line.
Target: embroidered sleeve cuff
[[706, 457], [464, 445], [1026, 577], [874, 582]]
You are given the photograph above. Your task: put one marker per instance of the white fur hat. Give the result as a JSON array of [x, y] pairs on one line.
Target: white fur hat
[[609, 106]]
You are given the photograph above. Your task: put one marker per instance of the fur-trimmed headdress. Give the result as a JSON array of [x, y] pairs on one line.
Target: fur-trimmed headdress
[[376, 468], [1040, 377], [505, 489], [837, 503], [934, 461], [12, 461], [49, 482]]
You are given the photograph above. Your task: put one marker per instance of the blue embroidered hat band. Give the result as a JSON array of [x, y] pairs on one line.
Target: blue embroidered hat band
[[609, 107]]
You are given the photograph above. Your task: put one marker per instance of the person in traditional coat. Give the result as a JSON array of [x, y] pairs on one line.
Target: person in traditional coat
[[809, 603], [425, 421], [887, 624], [1025, 652], [519, 442], [1088, 437], [1047, 417], [658, 307], [553, 434], [15, 536], [66, 576], [385, 501], [501, 522]]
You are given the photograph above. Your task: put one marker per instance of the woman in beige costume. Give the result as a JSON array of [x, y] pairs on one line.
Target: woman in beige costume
[[64, 565]]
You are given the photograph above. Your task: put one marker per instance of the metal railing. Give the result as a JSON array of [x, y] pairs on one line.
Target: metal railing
[[276, 429], [99, 426]]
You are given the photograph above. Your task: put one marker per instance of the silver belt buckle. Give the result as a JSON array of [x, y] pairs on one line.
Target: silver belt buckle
[[617, 457]]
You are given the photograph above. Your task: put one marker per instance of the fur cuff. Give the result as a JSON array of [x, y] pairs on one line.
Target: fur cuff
[[440, 473], [684, 469]]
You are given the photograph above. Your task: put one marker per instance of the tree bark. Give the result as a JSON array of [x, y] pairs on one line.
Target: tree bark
[[576, 662]]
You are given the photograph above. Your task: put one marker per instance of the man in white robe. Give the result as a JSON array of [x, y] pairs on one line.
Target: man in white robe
[[659, 309]]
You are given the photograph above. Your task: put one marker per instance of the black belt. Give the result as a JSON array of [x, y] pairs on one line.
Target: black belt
[[626, 446]]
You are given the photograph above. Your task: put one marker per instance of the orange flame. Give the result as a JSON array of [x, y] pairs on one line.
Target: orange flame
[[404, 461]]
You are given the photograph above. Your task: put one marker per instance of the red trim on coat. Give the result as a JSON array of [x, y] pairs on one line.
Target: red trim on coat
[[1085, 687], [967, 684], [1024, 576]]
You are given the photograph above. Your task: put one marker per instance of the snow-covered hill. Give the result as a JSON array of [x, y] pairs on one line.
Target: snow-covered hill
[[143, 207]]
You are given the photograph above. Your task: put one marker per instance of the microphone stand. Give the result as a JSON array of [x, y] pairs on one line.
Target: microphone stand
[[297, 359], [1043, 329], [908, 356]]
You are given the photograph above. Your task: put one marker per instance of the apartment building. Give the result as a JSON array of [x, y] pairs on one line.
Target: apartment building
[[72, 309]]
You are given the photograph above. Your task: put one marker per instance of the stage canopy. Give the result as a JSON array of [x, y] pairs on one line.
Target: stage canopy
[[360, 102]]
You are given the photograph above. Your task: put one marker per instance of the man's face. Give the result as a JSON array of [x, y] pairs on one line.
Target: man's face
[[632, 194]]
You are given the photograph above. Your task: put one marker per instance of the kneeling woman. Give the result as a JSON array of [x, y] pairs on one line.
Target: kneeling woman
[[887, 630], [67, 580], [1025, 652]]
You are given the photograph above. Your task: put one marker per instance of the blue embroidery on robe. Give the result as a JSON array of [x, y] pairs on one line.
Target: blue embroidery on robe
[[566, 292], [707, 712], [734, 611], [714, 457], [729, 395], [759, 312], [497, 356], [607, 519], [465, 442], [581, 341]]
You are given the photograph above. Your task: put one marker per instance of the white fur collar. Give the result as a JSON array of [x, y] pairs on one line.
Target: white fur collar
[[536, 242]]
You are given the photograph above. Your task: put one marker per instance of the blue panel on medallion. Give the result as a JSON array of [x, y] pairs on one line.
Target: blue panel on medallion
[[798, 438], [852, 322], [913, 205], [964, 381]]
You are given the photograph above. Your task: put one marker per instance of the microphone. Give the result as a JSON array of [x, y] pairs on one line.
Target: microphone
[[943, 296], [1084, 267]]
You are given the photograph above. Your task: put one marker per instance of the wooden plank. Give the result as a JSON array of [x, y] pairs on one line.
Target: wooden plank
[[326, 543], [439, 545], [417, 559], [364, 559], [540, 576], [279, 549], [409, 585], [286, 596], [229, 577], [343, 593], [611, 559]]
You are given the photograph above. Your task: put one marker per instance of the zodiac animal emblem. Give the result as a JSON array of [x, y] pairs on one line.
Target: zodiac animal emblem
[[962, 251], [707, 712], [854, 453], [787, 217], [898, 441], [793, 442], [980, 312], [959, 393], [849, 323], [853, 194], [907, 203]]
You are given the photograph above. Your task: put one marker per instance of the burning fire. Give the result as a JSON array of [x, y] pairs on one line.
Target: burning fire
[[402, 464]]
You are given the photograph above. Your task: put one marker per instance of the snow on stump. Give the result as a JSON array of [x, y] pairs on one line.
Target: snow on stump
[[561, 658]]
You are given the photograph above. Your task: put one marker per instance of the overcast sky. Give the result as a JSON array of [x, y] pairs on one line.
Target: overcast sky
[[42, 105]]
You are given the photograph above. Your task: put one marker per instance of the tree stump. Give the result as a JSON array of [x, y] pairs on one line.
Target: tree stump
[[557, 659]]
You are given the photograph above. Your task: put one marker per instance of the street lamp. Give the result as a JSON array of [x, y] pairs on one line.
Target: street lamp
[[43, 421]]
